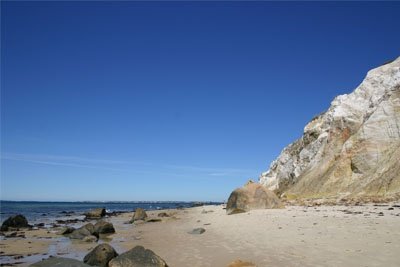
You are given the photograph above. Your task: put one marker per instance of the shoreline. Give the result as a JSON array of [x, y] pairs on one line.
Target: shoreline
[[362, 235]]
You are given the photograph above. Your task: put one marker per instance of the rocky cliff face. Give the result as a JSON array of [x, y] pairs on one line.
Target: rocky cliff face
[[352, 150]]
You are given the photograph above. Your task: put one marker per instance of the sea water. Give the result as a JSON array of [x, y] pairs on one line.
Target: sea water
[[37, 212]]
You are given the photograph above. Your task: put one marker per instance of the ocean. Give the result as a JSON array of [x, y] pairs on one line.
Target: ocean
[[47, 212]]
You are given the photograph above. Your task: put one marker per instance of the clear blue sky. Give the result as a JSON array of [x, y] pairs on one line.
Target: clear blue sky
[[171, 100]]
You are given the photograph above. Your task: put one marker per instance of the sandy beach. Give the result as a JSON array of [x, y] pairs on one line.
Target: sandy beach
[[367, 235]]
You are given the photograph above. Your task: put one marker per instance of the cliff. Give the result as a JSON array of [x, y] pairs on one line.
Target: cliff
[[352, 150]]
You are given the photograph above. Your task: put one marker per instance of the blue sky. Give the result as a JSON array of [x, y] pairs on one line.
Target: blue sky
[[171, 100]]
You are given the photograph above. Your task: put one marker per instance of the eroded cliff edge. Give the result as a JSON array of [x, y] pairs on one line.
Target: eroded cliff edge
[[352, 150]]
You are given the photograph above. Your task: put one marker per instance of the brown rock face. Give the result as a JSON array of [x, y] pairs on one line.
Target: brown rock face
[[252, 196], [351, 151]]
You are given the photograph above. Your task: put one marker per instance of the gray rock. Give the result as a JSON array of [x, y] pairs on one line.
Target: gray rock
[[59, 262], [17, 221], [197, 231], [138, 257], [252, 196], [96, 213], [84, 231], [103, 227], [100, 255]]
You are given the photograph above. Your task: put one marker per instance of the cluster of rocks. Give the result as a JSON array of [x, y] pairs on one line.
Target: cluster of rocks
[[88, 232], [104, 255]]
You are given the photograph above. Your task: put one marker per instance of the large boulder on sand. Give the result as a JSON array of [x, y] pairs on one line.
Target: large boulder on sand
[[96, 213], [17, 221], [59, 262], [138, 257], [103, 227], [252, 196], [100, 255], [140, 214]]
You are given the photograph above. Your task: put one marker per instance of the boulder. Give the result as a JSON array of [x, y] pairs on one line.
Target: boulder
[[103, 227], [252, 196], [138, 257], [140, 214], [84, 231], [17, 221], [59, 262], [197, 231], [100, 255], [163, 214], [96, 213]]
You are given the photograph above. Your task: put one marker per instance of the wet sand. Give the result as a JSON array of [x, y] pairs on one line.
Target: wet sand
[[365, 235]]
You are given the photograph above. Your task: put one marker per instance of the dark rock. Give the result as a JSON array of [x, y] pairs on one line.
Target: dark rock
[[17, 221], [103, 227], [197, 231], [140, 214], [138, 257], [163, 214], [100, 255], [252, 196], [59, 262], [96, 213]]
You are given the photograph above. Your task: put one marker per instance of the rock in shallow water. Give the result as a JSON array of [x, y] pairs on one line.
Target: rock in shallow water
[[96, 213], [138, 257], [85, 231], [59, 262], [252, 196], [100, 255], [17, 221]]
